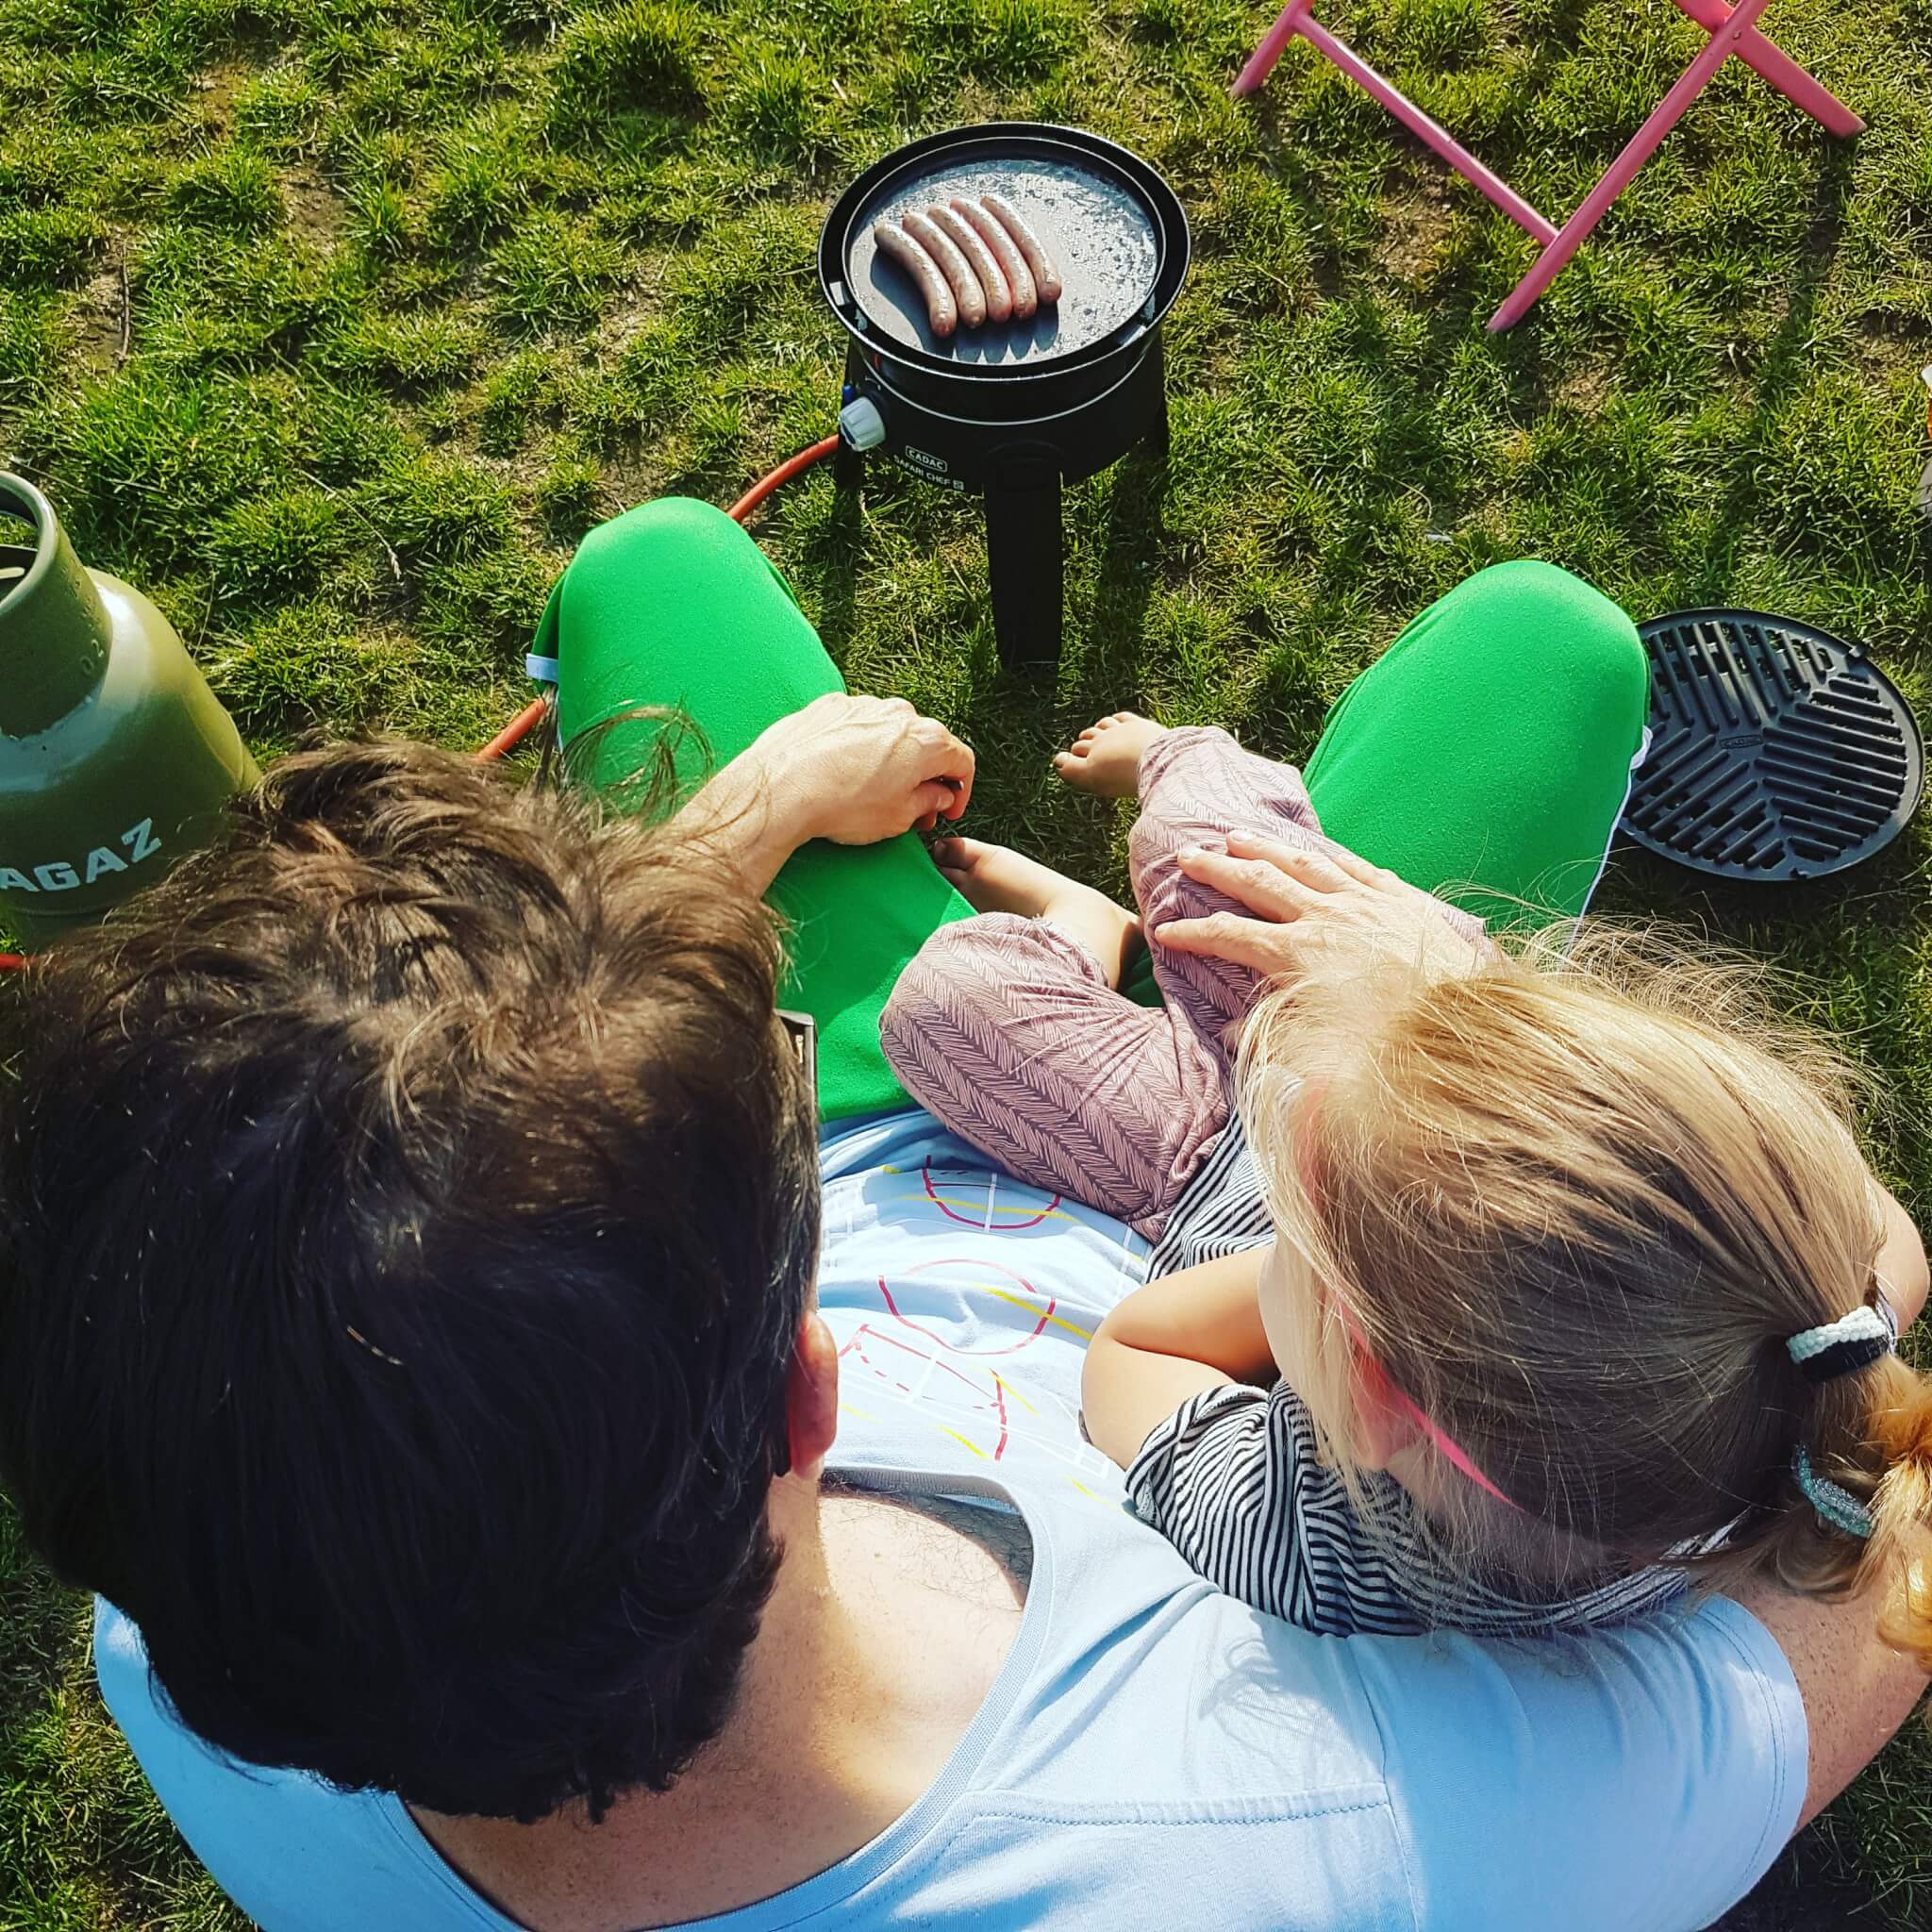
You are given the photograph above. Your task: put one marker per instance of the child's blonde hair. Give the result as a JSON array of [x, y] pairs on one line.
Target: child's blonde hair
[[1574, 1205]]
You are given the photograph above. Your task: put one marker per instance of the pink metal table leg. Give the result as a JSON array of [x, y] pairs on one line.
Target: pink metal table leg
[[1783, 73], [1430, 133], [1273, 44], [1643, 145]]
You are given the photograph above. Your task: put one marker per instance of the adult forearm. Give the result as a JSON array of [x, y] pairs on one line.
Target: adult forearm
[[1857, 1692], [745, 821], [853, 770]]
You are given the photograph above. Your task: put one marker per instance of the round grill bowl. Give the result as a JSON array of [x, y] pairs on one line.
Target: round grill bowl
[[1011, 412], [1113, 225], [1778, 752]]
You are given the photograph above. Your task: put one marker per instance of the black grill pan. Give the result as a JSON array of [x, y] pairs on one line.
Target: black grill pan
[[1011, 412], [1112, 225], [1776, 751], [1096, 221]]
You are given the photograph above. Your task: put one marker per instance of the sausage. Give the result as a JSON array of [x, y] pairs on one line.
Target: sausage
[[1046, 278], [1012, 264], [942, 312], [979, 258], [966, 289]]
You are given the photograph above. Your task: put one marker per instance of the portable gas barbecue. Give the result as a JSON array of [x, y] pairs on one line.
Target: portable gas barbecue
[[1776, 751], [1010, 412]]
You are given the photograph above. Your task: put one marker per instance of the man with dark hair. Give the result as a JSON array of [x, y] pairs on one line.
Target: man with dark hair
[[414, 1325], [470, 1162]]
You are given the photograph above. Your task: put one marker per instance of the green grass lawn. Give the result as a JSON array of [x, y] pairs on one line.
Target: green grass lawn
[[334, 324]]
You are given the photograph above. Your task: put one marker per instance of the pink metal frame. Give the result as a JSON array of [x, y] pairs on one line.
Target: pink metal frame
[[1732, 30]]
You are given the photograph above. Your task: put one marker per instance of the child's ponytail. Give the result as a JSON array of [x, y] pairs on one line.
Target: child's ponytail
[[1898, 1557], [1859, 1514]]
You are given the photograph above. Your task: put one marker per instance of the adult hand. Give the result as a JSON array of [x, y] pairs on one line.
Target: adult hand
[[856, 770], [853, 770], [1312, 903]]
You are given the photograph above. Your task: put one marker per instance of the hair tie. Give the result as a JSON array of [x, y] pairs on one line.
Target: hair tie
[[1834, 1502], [1840, 1348]]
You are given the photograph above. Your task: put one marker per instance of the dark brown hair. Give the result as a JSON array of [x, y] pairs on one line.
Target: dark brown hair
[[407, 1213]]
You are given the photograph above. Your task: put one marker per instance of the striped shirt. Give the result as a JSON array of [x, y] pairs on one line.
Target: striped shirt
[[1235, 1480], [1220, 1210]]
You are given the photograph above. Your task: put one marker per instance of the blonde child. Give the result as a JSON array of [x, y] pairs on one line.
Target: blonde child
[[1581, 1290], [1534, 1287]]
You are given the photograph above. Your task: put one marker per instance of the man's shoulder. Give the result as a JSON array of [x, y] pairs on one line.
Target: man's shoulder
[[1160, 1699], [1148, 1686], [1154, 1729], [295, 1854]]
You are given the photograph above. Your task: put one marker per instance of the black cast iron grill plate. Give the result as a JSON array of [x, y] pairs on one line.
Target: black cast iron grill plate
[[1111, 226], [1777, 752], [1095, 228]]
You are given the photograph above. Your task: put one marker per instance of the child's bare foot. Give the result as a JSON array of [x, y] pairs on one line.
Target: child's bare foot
[[1105, 758], [996, 879]]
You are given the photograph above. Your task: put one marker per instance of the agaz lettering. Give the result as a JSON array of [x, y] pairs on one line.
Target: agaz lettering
[[57, 875]]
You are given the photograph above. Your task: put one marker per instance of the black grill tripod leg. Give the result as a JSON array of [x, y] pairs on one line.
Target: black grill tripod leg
[[1158, 434], [1023, 554]]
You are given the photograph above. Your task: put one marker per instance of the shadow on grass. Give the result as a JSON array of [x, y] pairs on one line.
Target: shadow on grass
[[1812, 1887], [1789, 359], [1110, 673], [833, 553]]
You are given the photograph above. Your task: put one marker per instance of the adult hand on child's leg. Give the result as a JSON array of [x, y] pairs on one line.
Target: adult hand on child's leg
[[1312, 906]]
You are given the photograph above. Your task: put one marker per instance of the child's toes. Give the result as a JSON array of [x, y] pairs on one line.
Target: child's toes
[[959, 854]]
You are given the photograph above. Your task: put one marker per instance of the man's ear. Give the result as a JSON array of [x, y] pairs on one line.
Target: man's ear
[[812, 1396]]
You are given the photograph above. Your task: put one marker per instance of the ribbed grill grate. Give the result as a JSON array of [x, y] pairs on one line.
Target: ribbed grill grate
[[1776, 751]]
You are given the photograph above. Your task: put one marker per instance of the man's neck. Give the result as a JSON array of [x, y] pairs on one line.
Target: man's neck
[[883, 1637]]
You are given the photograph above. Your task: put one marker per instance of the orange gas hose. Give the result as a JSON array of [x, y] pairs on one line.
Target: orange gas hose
[[531, 715], [789, 468], [515, 731]]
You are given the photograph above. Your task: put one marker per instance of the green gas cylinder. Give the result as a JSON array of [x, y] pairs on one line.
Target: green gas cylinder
[[115, 757]]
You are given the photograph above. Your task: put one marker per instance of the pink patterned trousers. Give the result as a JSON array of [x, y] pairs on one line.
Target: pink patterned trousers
[[1007, 1030]]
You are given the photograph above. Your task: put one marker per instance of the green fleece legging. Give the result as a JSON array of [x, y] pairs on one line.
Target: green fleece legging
[[1487, 752]]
